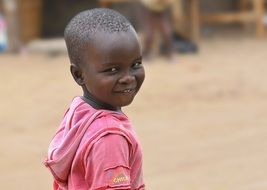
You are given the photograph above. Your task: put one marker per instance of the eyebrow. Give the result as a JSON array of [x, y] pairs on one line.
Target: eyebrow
[[114, 63], [141, 57]]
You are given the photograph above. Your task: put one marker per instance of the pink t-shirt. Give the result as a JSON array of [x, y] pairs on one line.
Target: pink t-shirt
[[95, 150]]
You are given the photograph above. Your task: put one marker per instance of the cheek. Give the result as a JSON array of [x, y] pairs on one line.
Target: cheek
[[141, 77], [93, 85], [102, 84]]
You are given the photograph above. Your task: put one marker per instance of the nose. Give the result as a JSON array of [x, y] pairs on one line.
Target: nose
[[127, 78]]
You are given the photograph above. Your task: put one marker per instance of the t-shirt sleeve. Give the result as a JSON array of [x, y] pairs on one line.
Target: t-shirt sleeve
[[107, 164]]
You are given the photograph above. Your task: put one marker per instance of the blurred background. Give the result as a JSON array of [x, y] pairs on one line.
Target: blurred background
[[200, 115]]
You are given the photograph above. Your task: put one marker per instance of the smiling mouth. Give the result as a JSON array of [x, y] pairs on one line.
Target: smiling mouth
[[127, 91]]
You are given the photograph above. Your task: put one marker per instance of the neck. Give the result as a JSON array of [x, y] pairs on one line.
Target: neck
[[88, 98]]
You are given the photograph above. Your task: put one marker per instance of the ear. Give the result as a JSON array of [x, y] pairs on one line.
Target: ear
[[77, 74]]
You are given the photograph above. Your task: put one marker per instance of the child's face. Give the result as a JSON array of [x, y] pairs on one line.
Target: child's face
[[113, 71]]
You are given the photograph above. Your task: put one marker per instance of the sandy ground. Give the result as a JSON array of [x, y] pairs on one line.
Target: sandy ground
[[202, 121]]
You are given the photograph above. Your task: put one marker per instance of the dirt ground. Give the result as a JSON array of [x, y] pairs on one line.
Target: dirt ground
[[202, 121]]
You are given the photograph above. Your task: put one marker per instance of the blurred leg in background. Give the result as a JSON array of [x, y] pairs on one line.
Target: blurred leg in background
[[156, 21]]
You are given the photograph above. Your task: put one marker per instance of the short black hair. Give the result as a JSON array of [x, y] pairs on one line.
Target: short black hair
[[82, 27]]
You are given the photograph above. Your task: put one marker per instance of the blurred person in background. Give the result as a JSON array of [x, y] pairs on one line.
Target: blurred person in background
[[156, 18], [10, 10], [3, 33]]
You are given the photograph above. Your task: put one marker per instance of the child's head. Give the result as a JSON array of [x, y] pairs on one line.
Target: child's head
[[105, 56]]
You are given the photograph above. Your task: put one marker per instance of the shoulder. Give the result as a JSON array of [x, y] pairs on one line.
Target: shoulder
[[112, 122], [108, 128]]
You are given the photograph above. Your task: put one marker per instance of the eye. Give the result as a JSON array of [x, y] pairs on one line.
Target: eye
[[137, 65], [111, 70]]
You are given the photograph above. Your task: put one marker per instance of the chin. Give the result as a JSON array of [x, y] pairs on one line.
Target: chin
[[126, 103]]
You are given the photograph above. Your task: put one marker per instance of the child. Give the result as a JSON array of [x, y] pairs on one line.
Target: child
[[95, 146]]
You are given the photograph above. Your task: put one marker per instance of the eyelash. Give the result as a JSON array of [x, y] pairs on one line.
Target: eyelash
[[113, 70], [137, 65]]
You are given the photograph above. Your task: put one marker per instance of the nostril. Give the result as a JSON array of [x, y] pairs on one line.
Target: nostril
[[127, 79]]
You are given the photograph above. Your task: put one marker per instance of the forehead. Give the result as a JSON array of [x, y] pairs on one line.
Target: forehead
[[113, 47]]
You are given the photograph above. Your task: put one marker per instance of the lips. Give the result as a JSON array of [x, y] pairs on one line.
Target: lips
[[126, 91]]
